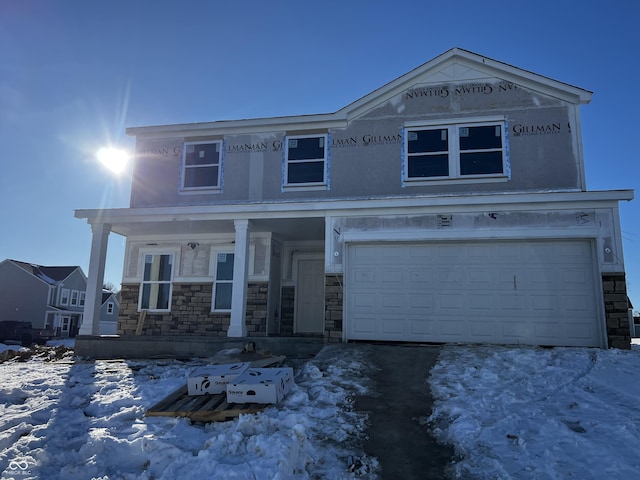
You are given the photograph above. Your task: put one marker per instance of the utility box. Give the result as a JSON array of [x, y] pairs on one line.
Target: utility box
[[214, 378], [260, 385]]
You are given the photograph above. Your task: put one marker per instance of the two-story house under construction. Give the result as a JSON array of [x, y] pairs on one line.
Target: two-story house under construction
[[449, 205]]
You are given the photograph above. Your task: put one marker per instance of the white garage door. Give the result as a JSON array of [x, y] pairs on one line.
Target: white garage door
[[539, 293]]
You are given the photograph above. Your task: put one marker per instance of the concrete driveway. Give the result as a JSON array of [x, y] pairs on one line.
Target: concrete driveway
[[398, 405]]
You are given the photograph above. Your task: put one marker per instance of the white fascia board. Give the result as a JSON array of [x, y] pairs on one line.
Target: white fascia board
[[236, 127], [376, 206]]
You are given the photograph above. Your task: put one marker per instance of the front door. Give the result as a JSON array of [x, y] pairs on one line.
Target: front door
[[65, 327], [309, 313]]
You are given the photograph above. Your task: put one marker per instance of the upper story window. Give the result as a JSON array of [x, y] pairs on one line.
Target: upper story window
[[306, 160], [64, 297], [201, 165], [74, 298], [110, 308], [82, 298], [456, 151], [155, 291]]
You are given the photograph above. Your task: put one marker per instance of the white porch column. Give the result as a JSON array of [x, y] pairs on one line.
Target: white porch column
[[237, 328], [95, 279]]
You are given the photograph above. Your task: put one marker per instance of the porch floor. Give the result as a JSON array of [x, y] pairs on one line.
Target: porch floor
[[178, 346]]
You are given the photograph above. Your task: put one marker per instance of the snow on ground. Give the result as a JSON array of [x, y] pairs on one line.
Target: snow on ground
[[82, 420], [534, 413], [510, 412]]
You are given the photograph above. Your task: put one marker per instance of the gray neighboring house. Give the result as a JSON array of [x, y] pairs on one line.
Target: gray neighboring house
[[109, 312], [49, 297], [449, 205]]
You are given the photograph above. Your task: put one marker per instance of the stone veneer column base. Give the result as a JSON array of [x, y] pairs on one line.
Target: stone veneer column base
[[333, 307], [616, 308]]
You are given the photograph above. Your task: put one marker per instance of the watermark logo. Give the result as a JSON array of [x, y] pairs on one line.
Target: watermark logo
[[18, 467]]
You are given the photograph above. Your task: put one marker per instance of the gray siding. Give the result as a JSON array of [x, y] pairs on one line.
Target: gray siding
[[23, 297]]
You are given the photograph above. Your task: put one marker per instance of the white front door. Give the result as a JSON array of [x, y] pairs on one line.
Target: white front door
[[309, 311]]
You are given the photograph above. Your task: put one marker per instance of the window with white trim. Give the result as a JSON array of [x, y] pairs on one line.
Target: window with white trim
[[201, 165], [222, 281], [306, 160], [74, 298], [81, 299], [110, 307], [64, 297], [155, 289], [456, 151]]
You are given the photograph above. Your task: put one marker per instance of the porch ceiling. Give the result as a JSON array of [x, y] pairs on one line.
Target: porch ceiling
[[290, 229]]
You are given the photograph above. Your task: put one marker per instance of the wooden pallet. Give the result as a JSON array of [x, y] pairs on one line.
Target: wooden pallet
[[208, 408]]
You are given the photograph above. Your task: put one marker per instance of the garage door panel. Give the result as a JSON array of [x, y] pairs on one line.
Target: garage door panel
[[481, 302], [540, 292], [512, 303], [421, 278], [453, 329], [393, 278], [421, 303], [392, 326], [576, 303], [449, 301], [482, 329], [480, 278], [389, 300]]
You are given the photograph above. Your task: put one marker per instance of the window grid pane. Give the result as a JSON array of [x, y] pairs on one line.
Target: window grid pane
[[305, 172], [156, 284], [201, 176], [223, 296]]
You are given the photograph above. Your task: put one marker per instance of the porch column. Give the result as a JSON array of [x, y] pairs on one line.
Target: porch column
[[237, 328], [95, 279]]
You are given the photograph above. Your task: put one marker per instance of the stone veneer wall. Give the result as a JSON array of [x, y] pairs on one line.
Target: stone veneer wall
[[616, 309], [190, 313], [256, 315], [333, 308], [287, 310]]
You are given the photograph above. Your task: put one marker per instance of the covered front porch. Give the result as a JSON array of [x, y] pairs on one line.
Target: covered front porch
[[232, 272]]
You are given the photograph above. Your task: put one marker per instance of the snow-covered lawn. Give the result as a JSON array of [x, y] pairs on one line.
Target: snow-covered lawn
[[533, 413], [510, 412], [84, 420]]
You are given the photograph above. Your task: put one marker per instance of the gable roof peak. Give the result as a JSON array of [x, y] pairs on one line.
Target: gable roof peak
[[51, 275]]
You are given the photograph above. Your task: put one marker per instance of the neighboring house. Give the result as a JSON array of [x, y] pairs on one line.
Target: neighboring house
[[48, 297], [449, 205], [109, 309]]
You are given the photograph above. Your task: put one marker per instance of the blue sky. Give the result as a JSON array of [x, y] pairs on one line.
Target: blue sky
[[75, 73]]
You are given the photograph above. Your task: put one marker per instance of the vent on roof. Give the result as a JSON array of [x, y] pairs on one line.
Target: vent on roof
[[444, 221]]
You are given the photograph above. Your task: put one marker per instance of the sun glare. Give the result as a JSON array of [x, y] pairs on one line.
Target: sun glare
[[112, 158]]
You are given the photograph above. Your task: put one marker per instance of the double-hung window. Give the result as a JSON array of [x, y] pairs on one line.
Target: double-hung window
[[474, 150], [306, 160], [81, 300], [74, 298], [201, 165], [155, 291], [64, 297], [222, 282]]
